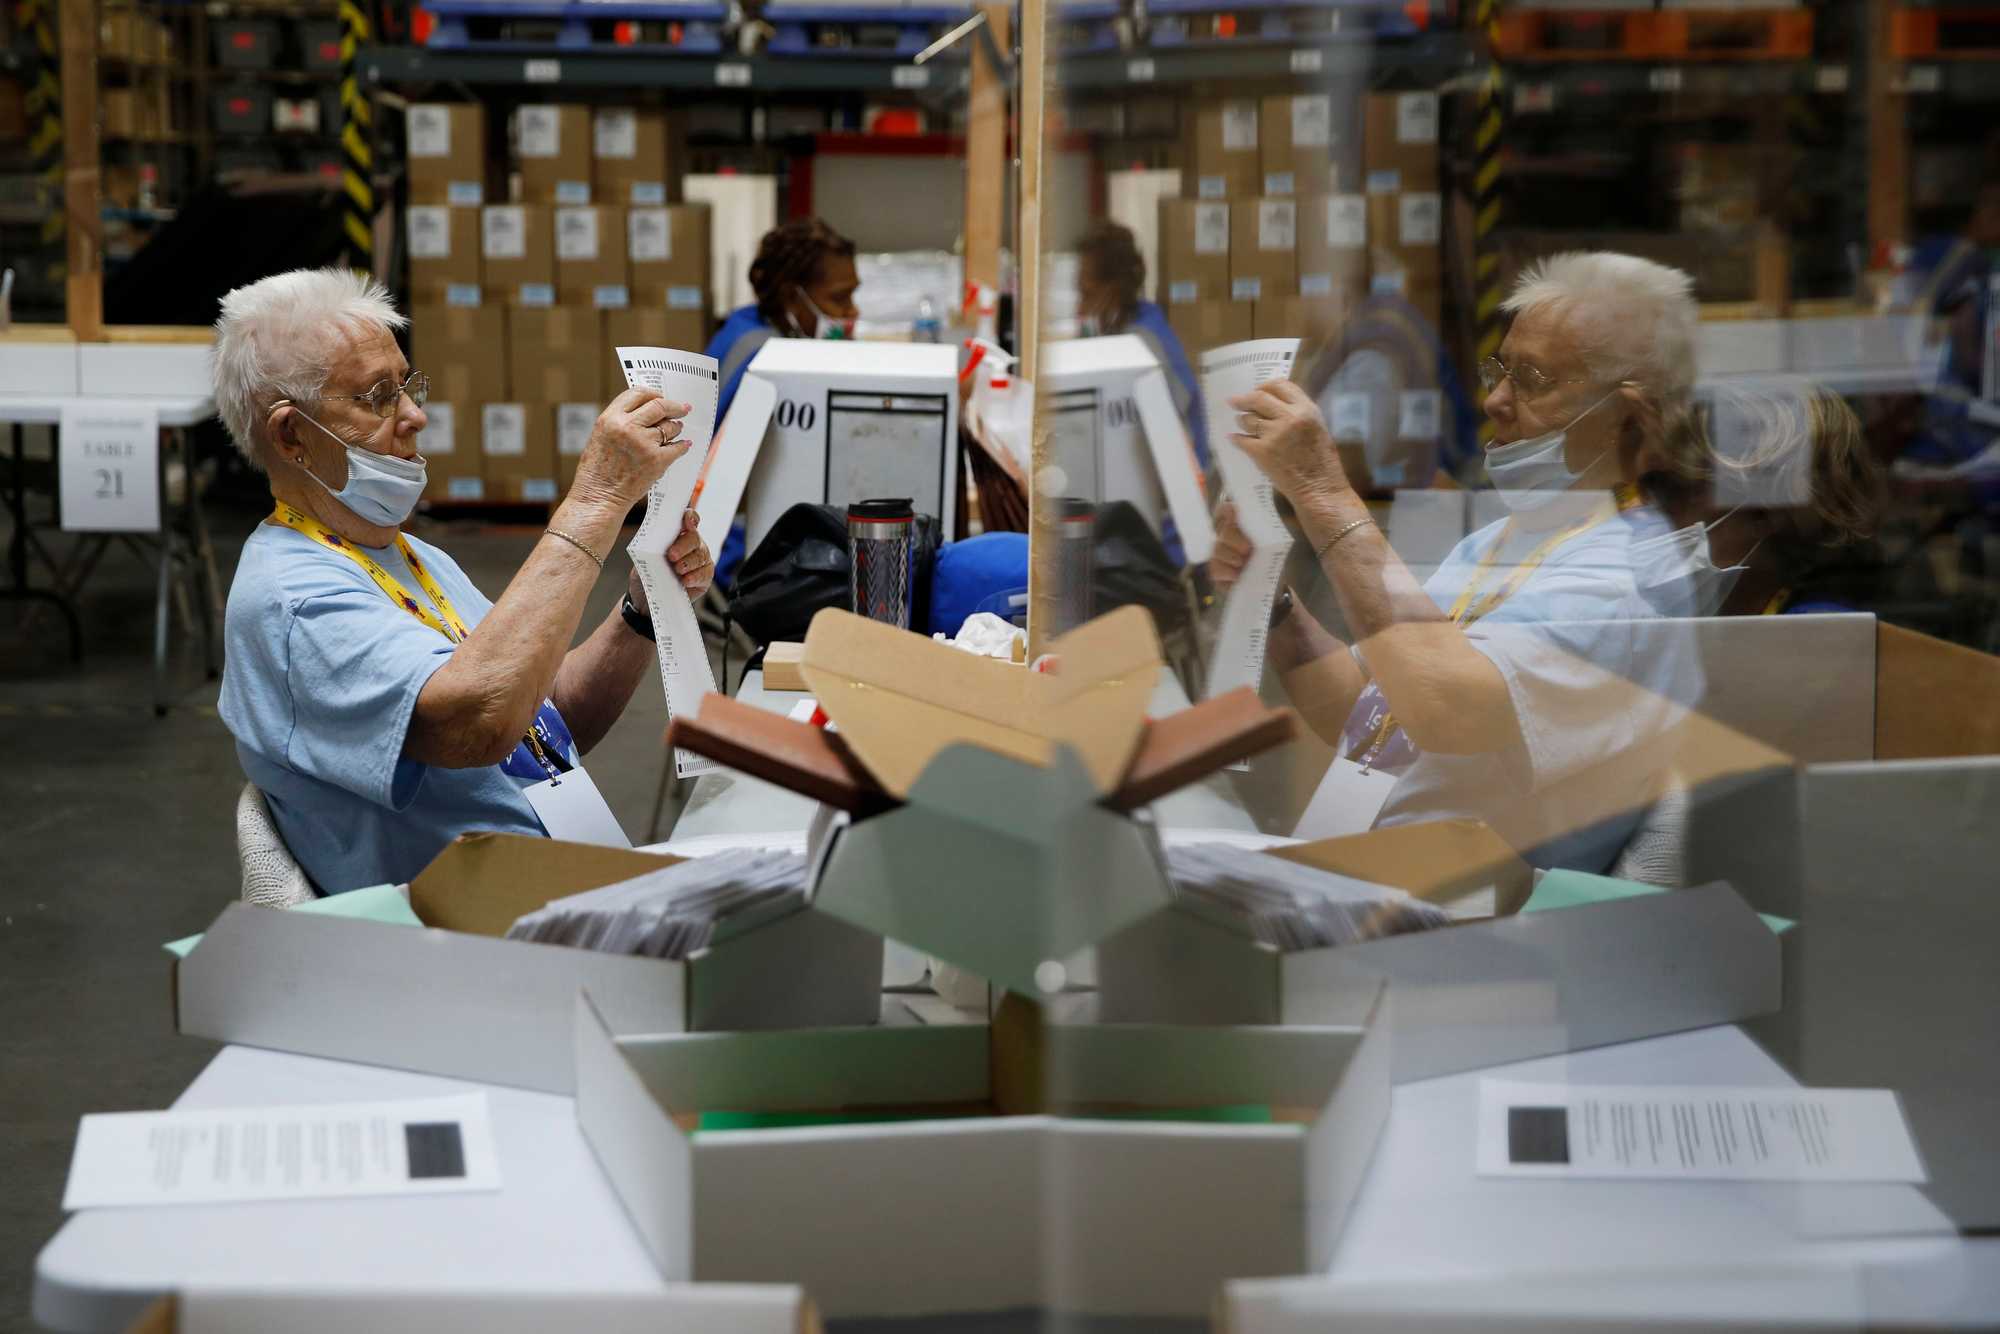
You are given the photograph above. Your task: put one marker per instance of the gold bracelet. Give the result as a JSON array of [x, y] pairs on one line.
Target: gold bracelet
[[557, 532], [1334, 541]]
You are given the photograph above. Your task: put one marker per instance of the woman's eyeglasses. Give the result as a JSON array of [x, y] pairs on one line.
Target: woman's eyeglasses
[[385, 394], [1527, 379]]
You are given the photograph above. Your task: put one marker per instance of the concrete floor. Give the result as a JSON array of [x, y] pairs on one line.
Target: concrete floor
[[120, 835]]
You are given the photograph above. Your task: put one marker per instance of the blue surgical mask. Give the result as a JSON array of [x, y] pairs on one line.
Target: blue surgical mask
[[381, 488], [1530, 473]]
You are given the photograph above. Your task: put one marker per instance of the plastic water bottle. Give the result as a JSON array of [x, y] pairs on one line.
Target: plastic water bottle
[[928, 328]]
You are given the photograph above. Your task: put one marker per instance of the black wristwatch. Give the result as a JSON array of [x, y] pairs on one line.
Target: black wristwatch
[[1281, 607], [637, 621]]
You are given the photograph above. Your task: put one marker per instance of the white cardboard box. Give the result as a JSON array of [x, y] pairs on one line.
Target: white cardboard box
[[968, 1213], [454, 999], [711, 1308]]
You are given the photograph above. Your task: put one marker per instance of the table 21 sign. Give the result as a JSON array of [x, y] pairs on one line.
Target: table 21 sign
[[110, 468]]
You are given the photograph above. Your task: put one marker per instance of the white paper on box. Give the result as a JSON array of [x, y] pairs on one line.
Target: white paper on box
[[1346, 221], [465, 488], [428, 131], [573, 192], [1211, 229], [1278, 183], [1316, 284], [320, 1151], [1239, 126], [1418, 412], [1386, 181], [1226, 373], [1246, 289], [540, 129], [464, 296], [649, 192], [576, 233], [616, 132], [1211, 187], [1352, 416], [1416, 118], [648, 236], [109, 467], [574, 422], [430, 231], [1312, 121], [682, 377], [537, 294], [1419, 219], [685, 298], [1694, 1132], [1179, 293], [440, 435], [503, 429], [1277, 224], [465, 194], [503, 231]]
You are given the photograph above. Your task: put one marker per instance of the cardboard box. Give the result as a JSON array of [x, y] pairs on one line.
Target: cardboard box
[[1219, 154], [668, 253], [1400, 142], [517, 253], [1194, 251], [574, 423], [1204, 325], [822, 1205], [647, 326], [638, 156], [464, 351], [1263, 248], [517, 446], [448, 154], [1333, 244], [452, 469], [1307, 144], [553, 145], [444, 249], [590, 257], [458, 1000], [557, 354], [733, 1309], [1406, 235], [1423, 294]]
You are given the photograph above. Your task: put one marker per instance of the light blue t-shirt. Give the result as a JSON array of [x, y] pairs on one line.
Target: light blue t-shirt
[[321, 675]]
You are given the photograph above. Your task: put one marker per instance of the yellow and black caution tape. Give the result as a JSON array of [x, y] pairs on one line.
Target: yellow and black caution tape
[[1488, 121], [44, 106], [356, 143]]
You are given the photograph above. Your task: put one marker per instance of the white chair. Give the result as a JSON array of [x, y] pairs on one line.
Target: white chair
[[271, 875]]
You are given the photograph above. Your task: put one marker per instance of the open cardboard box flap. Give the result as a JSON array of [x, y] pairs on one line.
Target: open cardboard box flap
[[1436, 860], [483, 883], [899, 698], [1921, 688]]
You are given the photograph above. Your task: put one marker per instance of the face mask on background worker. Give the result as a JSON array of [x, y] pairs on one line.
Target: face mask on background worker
[[829, 328], [381, 488], [1683, 559], [1530, 473]]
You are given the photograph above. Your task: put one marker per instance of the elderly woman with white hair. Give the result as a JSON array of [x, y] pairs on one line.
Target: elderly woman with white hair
[[1518, 684], [378, 700]]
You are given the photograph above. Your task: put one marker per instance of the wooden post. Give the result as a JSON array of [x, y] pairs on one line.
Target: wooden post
[[1888, 140], [1044, 579], [80, 172], [986, 156]]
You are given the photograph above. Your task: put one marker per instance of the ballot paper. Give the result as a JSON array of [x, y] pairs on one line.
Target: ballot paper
[[674, 912], [1694, 1133], [1238, 656], [683, 377], [321, 1151], [1288, 905]]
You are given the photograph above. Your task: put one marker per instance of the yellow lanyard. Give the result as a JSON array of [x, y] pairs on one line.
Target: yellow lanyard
[[1470, 607], [1777, 602], [445, 619]]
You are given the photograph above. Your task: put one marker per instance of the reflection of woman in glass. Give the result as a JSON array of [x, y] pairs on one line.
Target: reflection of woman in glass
[[1110, 278], [804, 278]]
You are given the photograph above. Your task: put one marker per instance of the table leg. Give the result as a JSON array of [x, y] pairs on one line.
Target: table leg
[[208, 587], [17, 589]]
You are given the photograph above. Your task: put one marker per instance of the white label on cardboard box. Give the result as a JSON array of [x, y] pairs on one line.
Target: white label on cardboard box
[[1387, 181], [428, 130], [540, 131], [1417, 414], [1419, 219], [503, 232], [573, 193], [1239, 126], [440, 434], [649, 194], [1211, 229], [684, 298], [537, 294], [576, 233], [1346, 221], [1278, 183], [648, 237], [611, 296], [465, 194], [1350, 417], [503, 429], [1277, 224], [465, 488], [1392, 283], [542, 489], [1211, 187], [463, 295], [1312, 121], [574, 423], [1315, 284], [430, 231], [1246, 289], [1182, 292], [616, 132], [1416, 118]]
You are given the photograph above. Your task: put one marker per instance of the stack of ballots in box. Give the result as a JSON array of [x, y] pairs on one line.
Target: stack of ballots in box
[[676, 911], [1288, 905]]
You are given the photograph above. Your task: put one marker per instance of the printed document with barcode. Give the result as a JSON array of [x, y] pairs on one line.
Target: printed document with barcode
[[318, 1151], [1240, 641], [1694, 1132], [680, 377]]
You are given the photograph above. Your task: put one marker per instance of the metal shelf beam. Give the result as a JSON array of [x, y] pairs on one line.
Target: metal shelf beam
[[552, 67]]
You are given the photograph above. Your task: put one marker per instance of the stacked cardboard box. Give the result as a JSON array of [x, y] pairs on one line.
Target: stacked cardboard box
[[464, 351], [1405, 209]]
